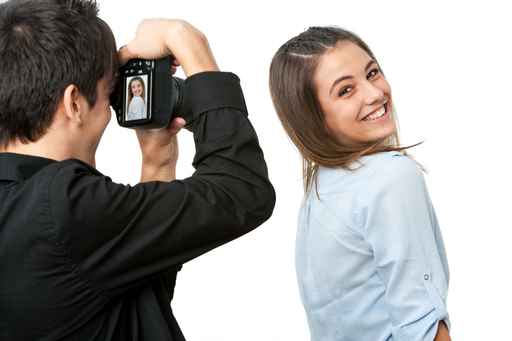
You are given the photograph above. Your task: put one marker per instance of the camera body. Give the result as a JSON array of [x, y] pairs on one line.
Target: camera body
[[147, 96]]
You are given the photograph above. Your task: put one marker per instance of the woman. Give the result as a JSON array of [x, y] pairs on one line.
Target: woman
[[137, 105], [370, 259]]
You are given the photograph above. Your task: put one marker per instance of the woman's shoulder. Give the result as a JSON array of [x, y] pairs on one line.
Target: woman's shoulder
[[137, 99], [391, 165], [380, 167], [379, 178], [393, 174], [372, 175]]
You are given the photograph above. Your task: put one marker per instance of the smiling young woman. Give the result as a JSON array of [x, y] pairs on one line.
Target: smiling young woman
[[353, 95], [370, 259]]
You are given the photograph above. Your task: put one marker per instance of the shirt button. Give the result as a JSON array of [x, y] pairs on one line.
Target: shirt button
[[426, 277]]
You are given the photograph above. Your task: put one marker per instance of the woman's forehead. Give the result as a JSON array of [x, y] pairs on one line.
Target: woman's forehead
[[343, 57]]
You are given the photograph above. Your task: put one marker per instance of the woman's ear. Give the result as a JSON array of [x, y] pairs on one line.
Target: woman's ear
[[74, 104]]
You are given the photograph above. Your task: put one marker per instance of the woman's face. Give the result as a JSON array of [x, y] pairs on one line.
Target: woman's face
[[354, 95], [136, 88]]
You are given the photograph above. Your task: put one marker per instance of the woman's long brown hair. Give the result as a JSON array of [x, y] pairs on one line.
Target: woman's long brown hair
[[296, 102]]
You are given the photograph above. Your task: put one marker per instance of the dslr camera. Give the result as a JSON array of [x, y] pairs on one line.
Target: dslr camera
[[147, 95]]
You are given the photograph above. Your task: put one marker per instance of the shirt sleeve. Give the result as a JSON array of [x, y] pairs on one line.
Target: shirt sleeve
[[402, 230], [118, 236]]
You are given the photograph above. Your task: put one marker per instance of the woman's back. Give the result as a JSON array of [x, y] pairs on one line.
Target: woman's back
[[371, 263]]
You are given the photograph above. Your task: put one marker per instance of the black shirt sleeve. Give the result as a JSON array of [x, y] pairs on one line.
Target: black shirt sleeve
[[118, 236]]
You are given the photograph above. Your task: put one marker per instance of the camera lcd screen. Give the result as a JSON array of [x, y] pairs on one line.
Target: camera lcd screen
[[136, 99]]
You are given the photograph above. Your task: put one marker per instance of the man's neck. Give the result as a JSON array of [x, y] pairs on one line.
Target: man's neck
[[50, 148]]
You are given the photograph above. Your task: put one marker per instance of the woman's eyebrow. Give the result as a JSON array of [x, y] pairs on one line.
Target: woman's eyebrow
[[341, 79]]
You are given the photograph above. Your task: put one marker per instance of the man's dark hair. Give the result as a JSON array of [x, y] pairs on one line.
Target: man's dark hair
[[46, 45]]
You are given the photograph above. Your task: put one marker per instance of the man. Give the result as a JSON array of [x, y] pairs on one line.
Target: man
[[84, 258]]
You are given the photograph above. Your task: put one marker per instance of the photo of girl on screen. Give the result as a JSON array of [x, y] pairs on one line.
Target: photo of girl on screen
[[136, 99]]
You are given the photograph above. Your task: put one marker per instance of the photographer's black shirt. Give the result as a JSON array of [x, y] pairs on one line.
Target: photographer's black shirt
[[84, 258]]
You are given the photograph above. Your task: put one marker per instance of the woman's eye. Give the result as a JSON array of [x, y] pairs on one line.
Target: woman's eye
[[345, 91], [373, 73]]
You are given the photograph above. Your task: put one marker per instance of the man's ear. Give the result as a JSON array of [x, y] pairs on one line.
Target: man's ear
[[74, 104]]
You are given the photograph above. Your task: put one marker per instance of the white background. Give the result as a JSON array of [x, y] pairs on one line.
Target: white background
[[449, 65]]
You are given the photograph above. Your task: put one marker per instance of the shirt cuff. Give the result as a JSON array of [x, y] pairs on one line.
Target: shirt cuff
[[211, 90]]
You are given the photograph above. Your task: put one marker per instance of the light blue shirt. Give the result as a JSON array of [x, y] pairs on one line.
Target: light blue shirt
[[370, 259], [136, 109]]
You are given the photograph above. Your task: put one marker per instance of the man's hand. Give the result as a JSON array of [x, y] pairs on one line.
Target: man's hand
[[160, 148], [160, 152], [157, 38]]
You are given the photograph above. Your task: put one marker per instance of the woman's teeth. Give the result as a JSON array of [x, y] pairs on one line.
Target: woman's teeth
[[379, 113]]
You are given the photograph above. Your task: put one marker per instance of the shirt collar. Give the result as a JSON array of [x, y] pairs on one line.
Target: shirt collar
[[19, 167]]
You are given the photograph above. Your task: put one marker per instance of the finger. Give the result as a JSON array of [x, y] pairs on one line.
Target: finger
[[124, 55], [174, 131], [174, 64], [179, 121], [176, 125]]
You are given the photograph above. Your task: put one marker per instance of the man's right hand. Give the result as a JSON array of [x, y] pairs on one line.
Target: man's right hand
[[157, 38]]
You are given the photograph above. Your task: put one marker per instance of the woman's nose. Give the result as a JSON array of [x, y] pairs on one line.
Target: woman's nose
[[373, 94]]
